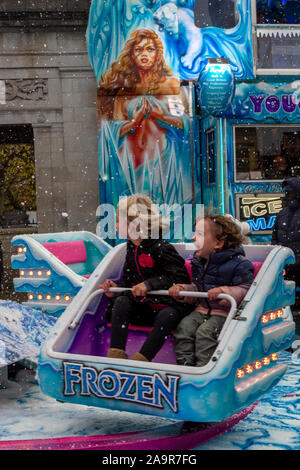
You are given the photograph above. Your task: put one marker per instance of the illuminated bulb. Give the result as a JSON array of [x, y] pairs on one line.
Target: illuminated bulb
[[39, 296], [249, 369], [48, 272], [48, 297], [67, 298], [279, 313], [39, 273], [264, 319], [24, 249], [20, 249], [22, 273], [274, 357], [266, 361], [30, 297], [240, 373], [257, 365], [57, 297], [30, 273], [273, 315]]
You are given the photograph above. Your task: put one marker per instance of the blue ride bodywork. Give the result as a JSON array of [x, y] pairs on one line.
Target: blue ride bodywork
[[73, 366], [50, 283]]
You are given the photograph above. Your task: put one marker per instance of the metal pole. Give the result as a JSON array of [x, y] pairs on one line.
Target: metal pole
[[222, 165]]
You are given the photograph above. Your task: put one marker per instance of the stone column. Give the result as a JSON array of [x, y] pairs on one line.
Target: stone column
[[79, 96], [50, 177]]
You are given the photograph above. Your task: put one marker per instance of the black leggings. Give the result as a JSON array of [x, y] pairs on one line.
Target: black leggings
[[126, 310]]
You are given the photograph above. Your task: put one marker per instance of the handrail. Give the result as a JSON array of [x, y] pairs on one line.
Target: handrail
[[233, 307]]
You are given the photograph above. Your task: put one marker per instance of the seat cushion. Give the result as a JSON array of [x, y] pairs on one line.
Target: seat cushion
[[68, 252]]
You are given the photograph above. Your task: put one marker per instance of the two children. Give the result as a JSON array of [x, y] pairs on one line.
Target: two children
[[218, 266]]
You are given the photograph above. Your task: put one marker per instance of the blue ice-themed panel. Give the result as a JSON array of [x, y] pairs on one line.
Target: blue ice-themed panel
[[155, 156], [53, 278], [186, 46], [22, 331], [139, 50], [273, 424], [266, 101]]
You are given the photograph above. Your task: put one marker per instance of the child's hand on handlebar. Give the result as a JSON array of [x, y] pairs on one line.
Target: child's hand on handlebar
[[106, 285], [174, 291], [139, 290], [213, 293]]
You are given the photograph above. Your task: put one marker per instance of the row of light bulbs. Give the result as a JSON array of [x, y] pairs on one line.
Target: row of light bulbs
[[271, 316], [48, 297], [257, 365], [39, 273], [31, 273]]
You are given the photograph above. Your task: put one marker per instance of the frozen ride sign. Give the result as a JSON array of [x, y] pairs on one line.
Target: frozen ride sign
[[144, 389]]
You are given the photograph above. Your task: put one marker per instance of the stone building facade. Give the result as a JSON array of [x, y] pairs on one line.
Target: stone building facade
[[49, 85]]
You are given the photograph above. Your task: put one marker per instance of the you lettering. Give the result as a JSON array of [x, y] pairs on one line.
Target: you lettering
[[272, 103]]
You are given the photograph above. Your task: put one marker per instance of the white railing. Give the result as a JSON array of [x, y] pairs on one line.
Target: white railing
[[233, 307]]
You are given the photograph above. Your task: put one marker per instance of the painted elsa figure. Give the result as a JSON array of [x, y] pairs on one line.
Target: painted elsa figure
[[151, 128], [140, 68]]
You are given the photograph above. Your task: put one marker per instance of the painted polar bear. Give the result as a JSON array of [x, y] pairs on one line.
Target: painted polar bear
[[179, 23]]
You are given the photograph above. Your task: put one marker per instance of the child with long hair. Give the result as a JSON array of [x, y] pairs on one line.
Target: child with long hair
[[151, 264], [219, 266]]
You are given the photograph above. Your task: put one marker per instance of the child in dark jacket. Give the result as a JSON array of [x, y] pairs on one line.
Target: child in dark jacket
[[151, 264], [219, 266]]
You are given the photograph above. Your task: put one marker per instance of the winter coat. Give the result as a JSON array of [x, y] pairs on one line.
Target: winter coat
[[157, 263], [286, 229], [228, 269]]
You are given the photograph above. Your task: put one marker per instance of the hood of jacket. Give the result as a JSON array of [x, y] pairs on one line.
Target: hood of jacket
[[292, 185], [226, 267]]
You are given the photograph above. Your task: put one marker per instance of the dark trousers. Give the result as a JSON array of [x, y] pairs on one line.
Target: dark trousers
[[126, 309]]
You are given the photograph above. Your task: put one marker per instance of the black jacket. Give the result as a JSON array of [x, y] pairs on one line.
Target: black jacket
[[286, 231], [225, 268], [157, 263]]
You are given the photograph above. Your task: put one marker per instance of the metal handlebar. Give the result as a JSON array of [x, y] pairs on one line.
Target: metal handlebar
[[230, 315]]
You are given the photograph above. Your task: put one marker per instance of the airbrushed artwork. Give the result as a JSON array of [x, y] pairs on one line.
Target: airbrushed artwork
[[144, 127], [140, 68], [141, 51]]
